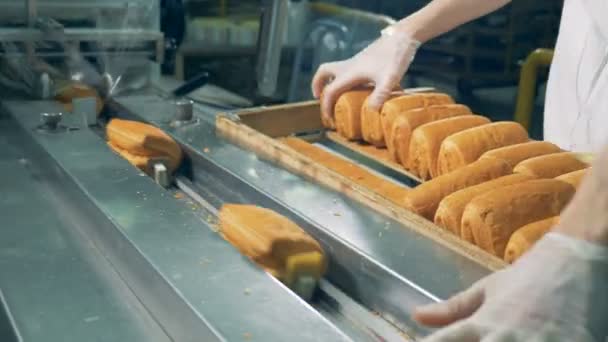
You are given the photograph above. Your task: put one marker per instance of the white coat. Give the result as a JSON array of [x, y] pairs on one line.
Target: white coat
[[576, 108]]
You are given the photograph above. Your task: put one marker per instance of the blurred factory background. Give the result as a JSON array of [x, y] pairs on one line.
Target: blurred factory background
[[479, 63]]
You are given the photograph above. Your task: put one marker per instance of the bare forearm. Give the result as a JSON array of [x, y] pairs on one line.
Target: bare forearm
[[441, 16]]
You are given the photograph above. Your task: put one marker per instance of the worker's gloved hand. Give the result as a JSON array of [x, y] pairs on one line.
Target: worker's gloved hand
[[558, 291], [382, 64]]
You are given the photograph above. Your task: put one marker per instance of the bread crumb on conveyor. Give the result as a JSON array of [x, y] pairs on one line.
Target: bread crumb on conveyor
[[247, 291], [206, 150]]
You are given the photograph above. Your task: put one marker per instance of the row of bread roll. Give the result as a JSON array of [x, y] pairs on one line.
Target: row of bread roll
[[525, 237], [490, 213], [465, 147], [427, 139], [405, 124], [355, 121], [493, 216]]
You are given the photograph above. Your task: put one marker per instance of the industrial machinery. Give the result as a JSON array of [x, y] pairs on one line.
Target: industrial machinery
[[91, 248]]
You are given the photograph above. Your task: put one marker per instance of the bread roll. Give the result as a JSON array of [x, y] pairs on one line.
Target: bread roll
[[402, 104], [405, 123], [327, 121], [493, 216], [140, 139], [140, 162], [371, 125], [347, 113], [355, 173], [426, 141], [550, 165], [425, 198], [449, 212], [525, 237], [514, 154], [467, 146], [573, 178], [266, 237]]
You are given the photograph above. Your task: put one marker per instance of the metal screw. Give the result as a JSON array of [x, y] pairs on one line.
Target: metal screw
[[50, 121], [183, 110]]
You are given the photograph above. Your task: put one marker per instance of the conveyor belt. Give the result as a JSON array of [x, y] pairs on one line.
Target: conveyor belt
[[384, 267], [56, 285], [350, 317], [194, 284]]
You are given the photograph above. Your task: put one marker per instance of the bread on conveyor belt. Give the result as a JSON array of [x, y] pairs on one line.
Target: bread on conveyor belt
[[573, 178], [74, 90], [143, 140], [424, 199], [405, 123], [494, 216], [427, 139], [402, 104], [272, 241], [140, 162], [353, 172], [525, 237], [465, 147], [348, 113], [550, 165], [514, 154], [449, 212]]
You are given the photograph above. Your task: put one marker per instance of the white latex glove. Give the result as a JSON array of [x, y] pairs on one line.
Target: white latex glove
[[558, 291], [383, 64]]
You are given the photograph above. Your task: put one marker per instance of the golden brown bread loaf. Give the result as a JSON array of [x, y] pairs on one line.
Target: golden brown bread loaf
[[424, 199], [348, 113], [525, 237], [74, 90], [371, 124], [492, 217], [514, 154], [140, 162], [449, 212], [426, 141], [550, 165], [402, 104], [264, 236], [465, 147], [573, 178], [405, 123], [327, 121], [142, 140], [355, 173]]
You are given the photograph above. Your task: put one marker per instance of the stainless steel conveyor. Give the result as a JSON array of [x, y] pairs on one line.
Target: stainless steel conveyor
[[97, 243]]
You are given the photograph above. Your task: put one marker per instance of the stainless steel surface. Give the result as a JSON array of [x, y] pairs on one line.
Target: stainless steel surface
[[86, 108], [376, 261], [183, 110], [56, 285], [194, 284], [272, 30]]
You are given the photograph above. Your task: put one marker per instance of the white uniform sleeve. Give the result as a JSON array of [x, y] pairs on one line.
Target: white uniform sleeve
[[598, 11]]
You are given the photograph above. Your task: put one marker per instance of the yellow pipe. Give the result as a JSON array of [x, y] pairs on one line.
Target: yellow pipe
[[527, 84]]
